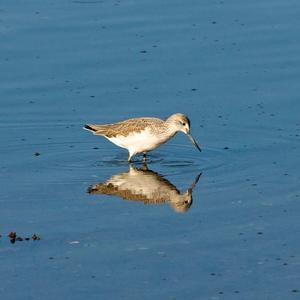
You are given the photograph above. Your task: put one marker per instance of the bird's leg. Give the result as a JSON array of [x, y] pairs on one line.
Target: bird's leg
[[144, 157], [130, 155]]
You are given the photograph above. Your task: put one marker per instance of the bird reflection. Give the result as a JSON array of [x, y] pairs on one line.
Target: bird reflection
[[146, 186]]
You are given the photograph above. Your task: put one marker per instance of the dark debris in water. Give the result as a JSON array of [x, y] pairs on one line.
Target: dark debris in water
[[37, 153], [13, 237], [35, 237]]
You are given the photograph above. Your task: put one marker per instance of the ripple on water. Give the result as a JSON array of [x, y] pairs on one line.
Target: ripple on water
[[88, 160], [172, 155], [184, 156], [82, 159]]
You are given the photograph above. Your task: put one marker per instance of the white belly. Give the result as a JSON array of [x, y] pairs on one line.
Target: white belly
[[138, 142]]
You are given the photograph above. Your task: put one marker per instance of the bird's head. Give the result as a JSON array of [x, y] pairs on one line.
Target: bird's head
[[180, 122]]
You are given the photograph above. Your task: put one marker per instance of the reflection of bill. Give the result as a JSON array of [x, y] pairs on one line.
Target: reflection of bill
[[146, 186]]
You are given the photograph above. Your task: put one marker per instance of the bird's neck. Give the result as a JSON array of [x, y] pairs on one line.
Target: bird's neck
[[171, 127]]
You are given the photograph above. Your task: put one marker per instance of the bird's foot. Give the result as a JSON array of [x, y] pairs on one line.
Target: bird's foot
[[144, 157]]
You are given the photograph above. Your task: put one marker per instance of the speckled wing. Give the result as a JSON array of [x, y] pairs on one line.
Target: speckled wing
[[124, 128], [127, 194]]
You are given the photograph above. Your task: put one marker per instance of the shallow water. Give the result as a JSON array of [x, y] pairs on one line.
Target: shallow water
[[233, 67]]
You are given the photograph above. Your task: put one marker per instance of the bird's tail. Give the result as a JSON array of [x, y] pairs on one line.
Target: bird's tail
[[97, 129], [90, 127]]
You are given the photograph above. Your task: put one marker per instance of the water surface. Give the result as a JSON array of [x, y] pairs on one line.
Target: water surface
[[233, 67]]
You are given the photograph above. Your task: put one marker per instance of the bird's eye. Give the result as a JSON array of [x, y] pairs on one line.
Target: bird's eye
[[183, 124]]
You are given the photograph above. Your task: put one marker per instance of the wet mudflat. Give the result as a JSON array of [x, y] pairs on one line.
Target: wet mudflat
[[232, 67]]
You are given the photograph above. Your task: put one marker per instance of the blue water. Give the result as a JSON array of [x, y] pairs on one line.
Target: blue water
[[232, 66]]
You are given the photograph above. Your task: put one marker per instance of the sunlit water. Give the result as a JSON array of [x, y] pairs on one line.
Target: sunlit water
[[233, 67]]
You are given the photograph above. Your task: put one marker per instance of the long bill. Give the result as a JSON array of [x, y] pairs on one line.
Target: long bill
[[193, 141]]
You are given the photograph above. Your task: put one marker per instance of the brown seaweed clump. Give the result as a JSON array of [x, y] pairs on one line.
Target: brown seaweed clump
[[14, 237]]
